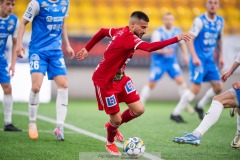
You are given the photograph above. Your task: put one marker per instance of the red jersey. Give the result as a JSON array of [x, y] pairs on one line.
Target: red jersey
[[117, 55]]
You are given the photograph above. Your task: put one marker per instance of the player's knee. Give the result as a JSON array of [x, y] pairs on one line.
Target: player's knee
[[63, 85], [36, 89], [151, 85], [116, 121], [218, 89], [139, 111], [217, 98], [7, 89]]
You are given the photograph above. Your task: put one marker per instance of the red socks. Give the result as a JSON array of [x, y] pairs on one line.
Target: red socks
[[127, 116], [111, 132]]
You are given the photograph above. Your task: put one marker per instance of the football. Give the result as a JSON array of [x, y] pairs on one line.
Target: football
[[134, 147]]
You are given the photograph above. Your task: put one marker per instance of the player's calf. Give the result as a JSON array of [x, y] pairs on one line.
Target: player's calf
[[119, 137]]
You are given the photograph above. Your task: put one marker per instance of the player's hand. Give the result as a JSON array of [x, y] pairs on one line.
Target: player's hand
[[196, 61], [81, 55], [236, 85], [11, 70], [20, 50], [221, 62], [226, 75], [184, 36], [70, 52]]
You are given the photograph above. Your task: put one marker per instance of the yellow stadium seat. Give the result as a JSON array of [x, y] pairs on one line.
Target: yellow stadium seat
[[221, 12], [197, 3]]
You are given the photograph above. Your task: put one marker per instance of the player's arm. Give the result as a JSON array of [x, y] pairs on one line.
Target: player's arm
[[232, 69], [194, 31], [156, 36], [184, 51], [31, 11], [14, 54], [219, 50], [14, 57], [149, 47], [69, 49], [102, 33], [20, 50]]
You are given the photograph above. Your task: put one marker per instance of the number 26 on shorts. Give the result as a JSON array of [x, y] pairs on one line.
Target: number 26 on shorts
[[34, 65]]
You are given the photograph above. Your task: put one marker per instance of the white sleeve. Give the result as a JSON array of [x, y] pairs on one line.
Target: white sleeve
[[67, 13], [14, 35], [196, 27], [238, 58], [156, 36], [32, 10]]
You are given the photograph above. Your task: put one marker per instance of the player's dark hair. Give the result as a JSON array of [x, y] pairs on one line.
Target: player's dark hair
[[140, 15]]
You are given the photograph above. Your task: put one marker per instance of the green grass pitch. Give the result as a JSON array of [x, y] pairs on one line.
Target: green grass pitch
[[154, 128]]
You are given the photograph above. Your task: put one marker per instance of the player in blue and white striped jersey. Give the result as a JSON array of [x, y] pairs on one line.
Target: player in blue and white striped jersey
[[45, 55], [8, 27]]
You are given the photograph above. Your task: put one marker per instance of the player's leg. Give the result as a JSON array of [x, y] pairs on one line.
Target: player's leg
[[37, 79], [215, 90], [146, 90], [7, 97], [226, 100], [155, 74], [236, 141], [182, 87], [185, 100], [8, 107], [61, 104], [196, 74], [57, 71], [130, 96], [112, 130], [212, 75], [175, 73], [38, 67], [108, 101], [134, 110]]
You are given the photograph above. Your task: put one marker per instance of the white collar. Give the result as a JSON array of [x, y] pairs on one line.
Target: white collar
[[167, 30], [4, 18], [53, 1], [211, 20]]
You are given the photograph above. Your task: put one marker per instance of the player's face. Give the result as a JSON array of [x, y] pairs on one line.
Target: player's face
[[212, 6], [7, 7], [140, 28], [168, 21]]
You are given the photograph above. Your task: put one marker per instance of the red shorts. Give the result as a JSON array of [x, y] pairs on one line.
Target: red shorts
[[122, 91]]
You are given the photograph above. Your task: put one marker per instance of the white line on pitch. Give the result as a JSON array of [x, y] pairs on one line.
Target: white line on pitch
[[46, 131], [82, 131]]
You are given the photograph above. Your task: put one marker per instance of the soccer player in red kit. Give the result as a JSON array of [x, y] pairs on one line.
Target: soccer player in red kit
[[111, 84]]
